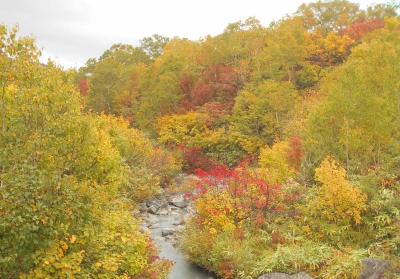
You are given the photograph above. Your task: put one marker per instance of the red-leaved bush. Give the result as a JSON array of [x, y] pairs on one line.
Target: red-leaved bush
[[357, 30], [194, 158], [295, 153], [84, 87], [235, 195], [218, 83]]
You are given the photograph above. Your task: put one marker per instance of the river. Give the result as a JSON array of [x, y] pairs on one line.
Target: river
[[163, 220], [182, 269]]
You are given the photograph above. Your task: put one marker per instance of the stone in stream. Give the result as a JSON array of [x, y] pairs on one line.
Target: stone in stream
[[178, 201], [373, 269], [175, 213], [155, 205], [152, 218], [167, 232], [142, 208], [163, 211], [144, 229], [153, 209]]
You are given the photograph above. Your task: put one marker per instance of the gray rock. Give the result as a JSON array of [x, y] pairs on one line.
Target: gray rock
[[144, 229], [278, 275], [142, 207], [155, 205], [178, 201], [153, 209], [167, 232], [152, 218], [163, 211], [373, 269]]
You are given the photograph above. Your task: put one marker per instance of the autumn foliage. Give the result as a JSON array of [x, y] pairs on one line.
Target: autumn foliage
[[336, 200], [290, 134], [359, 29], [229, 199], [84, 87], [217, 83]]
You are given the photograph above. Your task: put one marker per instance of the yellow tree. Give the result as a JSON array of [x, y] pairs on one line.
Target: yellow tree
[[336, 200]]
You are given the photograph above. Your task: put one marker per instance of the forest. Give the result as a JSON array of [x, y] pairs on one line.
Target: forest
[[290, 133]]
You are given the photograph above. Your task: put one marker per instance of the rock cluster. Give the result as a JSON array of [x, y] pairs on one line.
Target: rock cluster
[[165, 216]]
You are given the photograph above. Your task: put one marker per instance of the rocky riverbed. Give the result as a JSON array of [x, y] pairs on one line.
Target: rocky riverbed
[[164, 219]]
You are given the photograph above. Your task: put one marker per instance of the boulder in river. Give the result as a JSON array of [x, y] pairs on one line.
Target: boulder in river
[[163, 211], [373, 269], [142, 207], [167, 232], [278, 275], [178, 201], [151, 218], [155, 205]]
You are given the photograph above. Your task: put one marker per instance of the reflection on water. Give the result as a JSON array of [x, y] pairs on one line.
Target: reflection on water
[[183, 269]]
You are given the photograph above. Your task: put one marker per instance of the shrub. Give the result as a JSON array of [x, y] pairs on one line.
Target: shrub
[[303, 256], [230, 206], [274, 164], [336, 200]]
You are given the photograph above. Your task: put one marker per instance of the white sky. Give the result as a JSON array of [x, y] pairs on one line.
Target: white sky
[[71, 31]]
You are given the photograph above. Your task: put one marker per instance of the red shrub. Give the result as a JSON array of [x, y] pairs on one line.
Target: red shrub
[[195, 159], [186, 85], [84, 87], [295, 153], [218, 83], [357, 30], [253, 196]]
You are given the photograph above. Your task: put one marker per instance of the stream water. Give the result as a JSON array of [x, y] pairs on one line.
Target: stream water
[[183, 269], [164, 218]]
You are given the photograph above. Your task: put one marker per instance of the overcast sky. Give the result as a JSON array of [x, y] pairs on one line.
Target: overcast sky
[[71, 31]]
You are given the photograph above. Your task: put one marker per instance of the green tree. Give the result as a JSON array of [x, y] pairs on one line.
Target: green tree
[[358, 120], [160, 92], [287, 45], [154, 45], [328, 16], [110, 79], [261, 112]]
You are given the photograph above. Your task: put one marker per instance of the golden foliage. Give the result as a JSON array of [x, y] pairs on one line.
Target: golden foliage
[[273, 163], [337, 200]]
